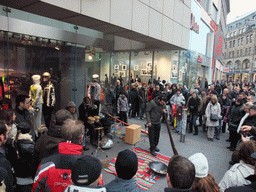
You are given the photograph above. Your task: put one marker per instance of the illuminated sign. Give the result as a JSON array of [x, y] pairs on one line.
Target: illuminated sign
[[218, 48], [193, 25], [199, 59]]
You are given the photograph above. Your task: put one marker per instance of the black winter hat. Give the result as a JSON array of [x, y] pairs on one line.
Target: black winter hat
[[214, 92], [126, 164], [86, 170]]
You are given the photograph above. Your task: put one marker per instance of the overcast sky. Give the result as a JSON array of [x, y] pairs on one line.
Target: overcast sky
[[240, 7]]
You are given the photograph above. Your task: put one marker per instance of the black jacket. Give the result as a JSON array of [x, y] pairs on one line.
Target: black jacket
[[84, 112], [48, 143], [22, 116], [193, 105], [26, 164], [246, 188], [133, 96], [9, 181], [156, 94], [234, 116], [224, 105], [218, 89]]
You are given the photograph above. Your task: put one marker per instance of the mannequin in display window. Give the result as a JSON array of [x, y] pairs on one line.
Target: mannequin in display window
[[94, 92], [36, 98], [48, 98]]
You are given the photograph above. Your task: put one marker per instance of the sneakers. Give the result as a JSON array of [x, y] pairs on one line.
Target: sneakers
[[153, 152], [85, 148], [157, 150]]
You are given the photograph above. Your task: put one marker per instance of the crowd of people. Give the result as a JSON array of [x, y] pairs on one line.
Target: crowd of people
[[56, 159]]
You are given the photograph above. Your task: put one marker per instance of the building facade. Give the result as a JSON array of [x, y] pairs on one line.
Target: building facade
[[240, 48], [127, 40]]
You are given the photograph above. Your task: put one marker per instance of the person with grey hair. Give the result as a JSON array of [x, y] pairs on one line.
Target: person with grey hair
[[47, 144], [54, 172], [251, 99]]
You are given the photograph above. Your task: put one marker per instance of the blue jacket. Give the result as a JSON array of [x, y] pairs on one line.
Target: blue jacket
[[121, 185]]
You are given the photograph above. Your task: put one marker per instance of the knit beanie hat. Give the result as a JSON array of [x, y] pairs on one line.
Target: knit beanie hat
[[201, 164], [126, 164], [214, 92], [71, 104], [86, 170]]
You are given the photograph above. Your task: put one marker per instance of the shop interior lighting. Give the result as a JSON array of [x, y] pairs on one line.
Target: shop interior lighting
[[37, 40], [43, 43], [29, 41], [57, 47], [91, 54], [23, 40]]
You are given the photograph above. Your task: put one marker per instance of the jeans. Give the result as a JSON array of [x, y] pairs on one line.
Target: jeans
[[193, 118], [179, 125], [217, 129], [154, 134], [142, 109]]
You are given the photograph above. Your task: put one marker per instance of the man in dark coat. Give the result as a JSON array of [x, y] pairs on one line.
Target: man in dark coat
[[118, 90], [48, 143], [21, 109], [157, 92], [133, 99], [194, 103], [234, 116], [4, 163], [154, 112], [218, 88]]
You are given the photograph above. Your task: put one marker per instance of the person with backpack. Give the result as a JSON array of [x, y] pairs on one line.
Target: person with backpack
[[25, 164]]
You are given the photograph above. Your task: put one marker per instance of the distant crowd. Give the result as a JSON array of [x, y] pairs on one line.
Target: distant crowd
[[56, 159]]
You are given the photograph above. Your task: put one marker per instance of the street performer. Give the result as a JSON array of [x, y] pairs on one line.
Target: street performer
[[154, 112]]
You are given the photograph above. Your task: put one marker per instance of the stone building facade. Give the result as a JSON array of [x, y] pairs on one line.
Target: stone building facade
[[240, 48]]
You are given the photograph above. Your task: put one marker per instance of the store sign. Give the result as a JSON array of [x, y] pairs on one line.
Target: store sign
[[193, 25], [218, 48], [199, 59], [226, 70]]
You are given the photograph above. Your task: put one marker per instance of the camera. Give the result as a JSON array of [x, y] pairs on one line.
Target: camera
[[244, 133]]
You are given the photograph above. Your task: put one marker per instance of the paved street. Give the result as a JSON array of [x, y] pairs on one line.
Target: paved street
[[216, 152]]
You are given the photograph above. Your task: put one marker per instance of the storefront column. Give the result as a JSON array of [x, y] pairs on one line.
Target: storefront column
[[204, 71], [130, 64], [178, 68], [153, 65]]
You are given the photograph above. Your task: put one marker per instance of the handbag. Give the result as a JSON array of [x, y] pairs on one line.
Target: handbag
[[213, 117], [225, 119]]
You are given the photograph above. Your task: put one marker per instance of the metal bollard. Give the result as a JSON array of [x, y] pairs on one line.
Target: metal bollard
[[183, 125]]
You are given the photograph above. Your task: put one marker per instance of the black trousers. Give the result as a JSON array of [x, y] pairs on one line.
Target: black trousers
[[47, 113], [154, 134], [234, 138], [224, 127], [123, 116]]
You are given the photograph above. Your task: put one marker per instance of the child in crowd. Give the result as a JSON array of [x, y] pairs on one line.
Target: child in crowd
[[122, 107]]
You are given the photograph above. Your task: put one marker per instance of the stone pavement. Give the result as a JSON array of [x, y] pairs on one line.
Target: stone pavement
[[216, 152]]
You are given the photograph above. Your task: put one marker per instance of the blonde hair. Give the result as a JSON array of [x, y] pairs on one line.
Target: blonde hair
[[214, 97]]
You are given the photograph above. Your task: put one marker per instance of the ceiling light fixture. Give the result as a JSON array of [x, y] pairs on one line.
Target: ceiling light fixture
[[57, 47]]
